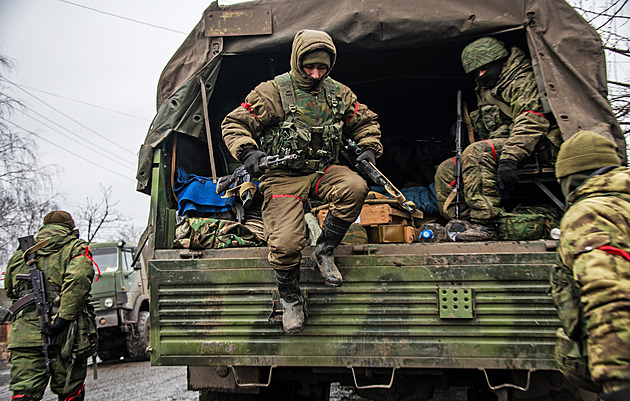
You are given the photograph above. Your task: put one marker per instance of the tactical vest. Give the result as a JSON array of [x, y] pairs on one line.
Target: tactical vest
[[317, 146]]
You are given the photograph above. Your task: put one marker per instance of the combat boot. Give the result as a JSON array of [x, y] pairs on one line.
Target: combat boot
[[464, 231], [333, 231], [288, 282]]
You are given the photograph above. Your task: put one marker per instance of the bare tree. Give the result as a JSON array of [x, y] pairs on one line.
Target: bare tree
[[26, 192], [608, 18], [101, 217]]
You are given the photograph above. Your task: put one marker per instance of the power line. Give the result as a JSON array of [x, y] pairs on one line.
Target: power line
[[82, 102], [66, 150], [61, 133], [72, 119], [121, 17]]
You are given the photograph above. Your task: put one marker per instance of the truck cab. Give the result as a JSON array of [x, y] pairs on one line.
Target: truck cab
[[121, 302]]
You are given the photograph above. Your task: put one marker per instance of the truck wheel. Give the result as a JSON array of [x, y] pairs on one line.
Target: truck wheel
[[138, 339]]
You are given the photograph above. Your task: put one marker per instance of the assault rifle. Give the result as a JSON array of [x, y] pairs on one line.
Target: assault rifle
[[351, 151], [458, 153], [37, 294], [242, 180]]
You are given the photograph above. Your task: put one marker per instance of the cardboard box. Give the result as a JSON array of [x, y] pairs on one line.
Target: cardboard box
[[393, 233], [374, 215]]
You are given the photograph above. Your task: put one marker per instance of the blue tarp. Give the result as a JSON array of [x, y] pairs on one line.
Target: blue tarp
[[423, 197], [197, 193]]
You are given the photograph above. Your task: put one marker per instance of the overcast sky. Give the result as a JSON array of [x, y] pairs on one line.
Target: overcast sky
[[87, 72], [69, 52]]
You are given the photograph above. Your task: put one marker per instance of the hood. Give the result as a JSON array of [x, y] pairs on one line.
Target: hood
[[306, 41], [515, 63], [614, 181], [58, 237]]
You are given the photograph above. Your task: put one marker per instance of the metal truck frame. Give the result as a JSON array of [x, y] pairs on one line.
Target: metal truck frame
[[409, 318]]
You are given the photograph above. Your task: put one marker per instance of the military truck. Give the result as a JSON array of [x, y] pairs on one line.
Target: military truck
[[410, 318], [121, 302]]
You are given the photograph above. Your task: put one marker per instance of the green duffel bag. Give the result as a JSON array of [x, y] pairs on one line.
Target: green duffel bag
[[528, 223]]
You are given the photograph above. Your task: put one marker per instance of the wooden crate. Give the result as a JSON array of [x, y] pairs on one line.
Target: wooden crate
[[374, 215], [393, 233]]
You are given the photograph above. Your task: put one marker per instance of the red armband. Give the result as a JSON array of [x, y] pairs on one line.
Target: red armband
[[248, 107]]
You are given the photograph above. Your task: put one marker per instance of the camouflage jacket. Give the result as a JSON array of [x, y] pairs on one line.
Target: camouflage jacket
[[595, 235], [68, 275], [512, 109], [262, 109], [599, 214]]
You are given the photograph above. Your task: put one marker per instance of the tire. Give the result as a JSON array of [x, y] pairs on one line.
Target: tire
[[138, 339]]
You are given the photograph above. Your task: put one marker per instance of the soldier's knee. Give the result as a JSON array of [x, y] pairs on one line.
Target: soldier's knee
[[355, 188]]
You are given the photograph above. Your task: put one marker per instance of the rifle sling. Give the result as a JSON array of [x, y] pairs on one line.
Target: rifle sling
[[449, 200], [35, 248]]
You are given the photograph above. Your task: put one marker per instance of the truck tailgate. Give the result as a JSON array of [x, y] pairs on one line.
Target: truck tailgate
[[466, 305]]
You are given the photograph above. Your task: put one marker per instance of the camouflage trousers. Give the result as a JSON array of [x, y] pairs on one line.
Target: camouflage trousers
[[480, 199], [29, 377], [283, 207]]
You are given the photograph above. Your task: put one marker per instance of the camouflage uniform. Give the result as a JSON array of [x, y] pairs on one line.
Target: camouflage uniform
[[299, 114], [591, 285], [511, 125], [67, 267], [285, 190]]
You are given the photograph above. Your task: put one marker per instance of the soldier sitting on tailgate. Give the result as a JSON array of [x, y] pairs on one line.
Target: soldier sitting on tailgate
[[513, 128]]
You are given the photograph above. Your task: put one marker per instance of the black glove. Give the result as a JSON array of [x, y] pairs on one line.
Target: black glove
[[250, 158], [506, 177], [367, 155], [57, 327]]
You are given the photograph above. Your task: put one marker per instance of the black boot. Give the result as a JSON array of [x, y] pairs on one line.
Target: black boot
[[333, 231], [619, 395], [288, 282]]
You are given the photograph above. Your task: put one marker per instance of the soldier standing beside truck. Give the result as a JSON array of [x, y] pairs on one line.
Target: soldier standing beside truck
[[513, 128], [303, 112], [591, 286], [66, 264]]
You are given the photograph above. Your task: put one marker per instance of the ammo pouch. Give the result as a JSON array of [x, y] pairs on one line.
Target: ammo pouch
[[80, 339], [566, 296], [317, 147]]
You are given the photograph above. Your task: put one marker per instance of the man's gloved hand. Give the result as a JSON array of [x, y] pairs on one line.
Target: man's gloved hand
[[250, 158], [57, 327], [506, 176], [367, 155]]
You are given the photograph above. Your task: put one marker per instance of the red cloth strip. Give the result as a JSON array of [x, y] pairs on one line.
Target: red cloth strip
[[452, 184], [320, 180], [286, 196], [87, 255], [356, 108], [615, 251], [494, 151], [535, 112], [248, 107]]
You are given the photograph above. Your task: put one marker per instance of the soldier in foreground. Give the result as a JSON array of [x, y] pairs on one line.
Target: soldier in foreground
[[513, 130], [303, 112], [591, 286], [66, 264]]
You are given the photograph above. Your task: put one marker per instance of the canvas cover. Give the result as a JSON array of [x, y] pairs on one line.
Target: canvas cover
[[567, 49]]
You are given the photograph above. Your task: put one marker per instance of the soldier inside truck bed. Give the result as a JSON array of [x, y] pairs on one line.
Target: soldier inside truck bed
[[303, 112], [514, 131]]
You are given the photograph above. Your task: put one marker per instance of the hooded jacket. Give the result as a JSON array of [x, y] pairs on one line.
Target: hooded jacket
[[595, 248], [242, 128], [68, 272]]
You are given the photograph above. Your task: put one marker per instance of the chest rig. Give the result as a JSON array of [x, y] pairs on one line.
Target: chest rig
[[311, 128]]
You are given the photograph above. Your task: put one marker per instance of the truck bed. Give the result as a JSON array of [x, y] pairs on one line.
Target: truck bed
[[436, 305]]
